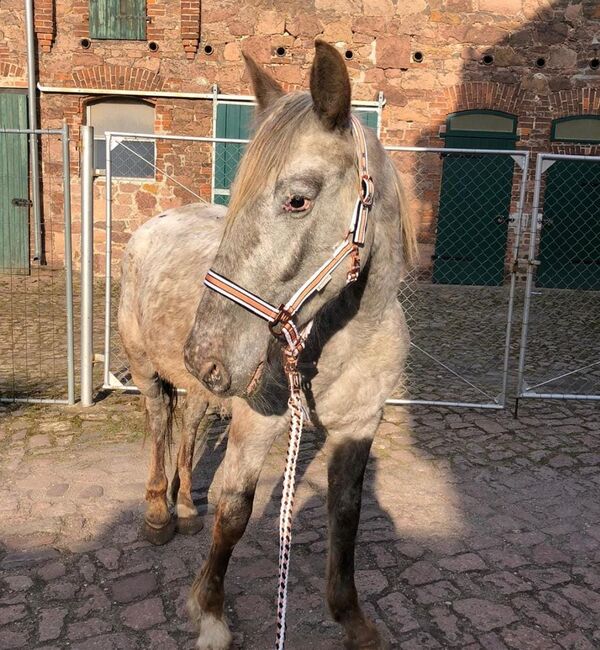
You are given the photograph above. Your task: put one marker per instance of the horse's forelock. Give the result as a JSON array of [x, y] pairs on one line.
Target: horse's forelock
[[267, 153]]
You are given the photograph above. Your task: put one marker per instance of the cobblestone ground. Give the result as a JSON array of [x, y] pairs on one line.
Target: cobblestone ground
[[478, 531]]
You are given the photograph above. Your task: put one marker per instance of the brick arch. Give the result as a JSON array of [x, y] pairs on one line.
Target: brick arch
[[474, 95], [117, 77], [483, 95], [11, 70], [575, 101]]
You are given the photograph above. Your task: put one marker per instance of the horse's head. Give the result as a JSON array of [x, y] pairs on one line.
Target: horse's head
[[291, 205]]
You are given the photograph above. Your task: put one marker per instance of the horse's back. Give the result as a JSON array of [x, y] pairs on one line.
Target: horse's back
[[163, 269]]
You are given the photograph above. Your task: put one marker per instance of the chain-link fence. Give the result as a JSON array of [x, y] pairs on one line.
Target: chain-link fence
[[560, 345], [459, 303], [36, 292]]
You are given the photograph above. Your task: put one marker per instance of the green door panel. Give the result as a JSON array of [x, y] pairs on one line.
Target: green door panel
[[570, 238], [473, 214], [14, 186], [118, 19], [233, 121], [368, 118]]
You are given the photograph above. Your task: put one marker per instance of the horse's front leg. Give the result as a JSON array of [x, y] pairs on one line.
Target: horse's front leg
[[250, 438], [348, 460]]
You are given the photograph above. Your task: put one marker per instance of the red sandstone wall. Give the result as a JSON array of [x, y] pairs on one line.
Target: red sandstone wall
[[453, 36]]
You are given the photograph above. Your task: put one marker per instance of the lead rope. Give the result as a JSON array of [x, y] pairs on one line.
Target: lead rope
[[289, 488]]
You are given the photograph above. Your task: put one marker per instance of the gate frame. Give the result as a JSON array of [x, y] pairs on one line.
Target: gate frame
[[543, 163], [35, 135], [522, 159]]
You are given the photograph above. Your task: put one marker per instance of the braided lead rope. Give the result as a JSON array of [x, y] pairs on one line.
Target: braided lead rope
[[290, 357]]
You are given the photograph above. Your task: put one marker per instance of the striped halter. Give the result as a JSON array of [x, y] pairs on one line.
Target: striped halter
[[282, 326], [281, 319]]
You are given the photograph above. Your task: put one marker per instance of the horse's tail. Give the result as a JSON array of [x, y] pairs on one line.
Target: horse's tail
[[170, 392], [407, 227]]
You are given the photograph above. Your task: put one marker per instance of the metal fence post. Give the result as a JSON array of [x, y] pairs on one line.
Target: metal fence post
[[87, 263], [533, 225], [68, 264]]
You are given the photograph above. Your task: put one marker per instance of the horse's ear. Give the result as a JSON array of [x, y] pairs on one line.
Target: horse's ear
[[330, 87], [266, 89]]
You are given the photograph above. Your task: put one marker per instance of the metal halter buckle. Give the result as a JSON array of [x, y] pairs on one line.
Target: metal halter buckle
[[281, 320], [354, 271], [366, 190]]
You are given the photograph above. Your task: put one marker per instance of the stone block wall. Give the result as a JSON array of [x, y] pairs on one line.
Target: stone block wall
[[474, 54]]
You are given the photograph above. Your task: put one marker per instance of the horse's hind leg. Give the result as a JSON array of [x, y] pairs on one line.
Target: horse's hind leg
[[345, 475], [189, 521], [250, 438], [159, 526]]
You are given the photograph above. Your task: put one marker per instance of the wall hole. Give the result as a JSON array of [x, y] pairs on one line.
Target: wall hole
[[85, 43], [541, 62], [153, 46], [418, 57], [280, 51], [208, 49], [348, 54], [488, 59], [595, 64]]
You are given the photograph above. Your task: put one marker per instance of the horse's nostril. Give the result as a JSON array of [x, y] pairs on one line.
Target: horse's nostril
[[214, 376]]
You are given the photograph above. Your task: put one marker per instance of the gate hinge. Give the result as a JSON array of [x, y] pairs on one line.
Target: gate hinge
[[525, 261]]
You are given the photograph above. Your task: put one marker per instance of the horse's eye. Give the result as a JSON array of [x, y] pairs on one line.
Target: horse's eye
[[296, 203]]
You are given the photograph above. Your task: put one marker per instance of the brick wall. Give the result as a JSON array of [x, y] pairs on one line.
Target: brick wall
[[382, 37]]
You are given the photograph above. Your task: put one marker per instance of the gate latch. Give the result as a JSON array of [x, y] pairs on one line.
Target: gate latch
[[21, 203]]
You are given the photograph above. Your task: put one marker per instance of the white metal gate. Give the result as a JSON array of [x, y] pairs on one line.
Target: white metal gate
[[560, 339]]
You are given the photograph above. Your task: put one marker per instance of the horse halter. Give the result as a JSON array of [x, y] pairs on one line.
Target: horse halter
[[281, 319], [282, 326]]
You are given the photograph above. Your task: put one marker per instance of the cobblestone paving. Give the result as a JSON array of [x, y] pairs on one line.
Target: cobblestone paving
[[478, 531]]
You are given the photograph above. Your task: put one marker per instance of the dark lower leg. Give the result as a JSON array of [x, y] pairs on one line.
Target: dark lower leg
[[345, 474], [233, 513]]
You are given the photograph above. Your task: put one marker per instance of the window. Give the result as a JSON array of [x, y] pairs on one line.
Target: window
[[129, 158], [483, 122], [118, 19], [234, 120], [483, 129], [584, 129]]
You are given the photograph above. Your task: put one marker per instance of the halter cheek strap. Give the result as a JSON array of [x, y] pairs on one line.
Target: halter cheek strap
[[281, 324]]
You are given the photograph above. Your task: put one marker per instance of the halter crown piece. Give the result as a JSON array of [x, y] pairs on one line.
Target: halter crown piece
[[282, 326]]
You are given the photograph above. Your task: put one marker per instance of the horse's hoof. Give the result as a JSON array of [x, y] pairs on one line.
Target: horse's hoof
[[159, 536], [214, 633], [190, 525]]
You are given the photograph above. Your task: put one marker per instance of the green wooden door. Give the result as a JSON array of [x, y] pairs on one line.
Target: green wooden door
[[570, 237], [118, 19], [473, 212], [234, 121], [14, 187]]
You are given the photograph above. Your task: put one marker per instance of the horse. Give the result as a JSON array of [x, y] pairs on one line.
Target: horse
[[163, 261], [291, 203]]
